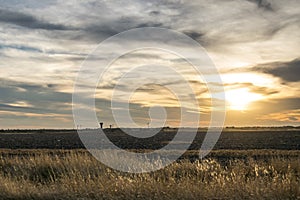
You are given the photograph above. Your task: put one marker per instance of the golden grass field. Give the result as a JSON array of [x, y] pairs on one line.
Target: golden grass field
[[224, 174]]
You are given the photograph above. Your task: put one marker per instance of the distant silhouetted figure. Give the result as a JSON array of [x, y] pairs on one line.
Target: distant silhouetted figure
[[110, 126], [101, 125]]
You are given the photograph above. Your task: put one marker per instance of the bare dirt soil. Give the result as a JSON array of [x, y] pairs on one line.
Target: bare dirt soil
[[238, 139]]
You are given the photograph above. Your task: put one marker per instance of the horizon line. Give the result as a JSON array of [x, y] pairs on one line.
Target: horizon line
[[165, 127]]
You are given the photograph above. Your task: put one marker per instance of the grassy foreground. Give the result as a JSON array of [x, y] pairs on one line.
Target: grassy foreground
[[74, 174]]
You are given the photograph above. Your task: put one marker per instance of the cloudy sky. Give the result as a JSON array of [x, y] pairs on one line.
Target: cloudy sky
[[253, 43]]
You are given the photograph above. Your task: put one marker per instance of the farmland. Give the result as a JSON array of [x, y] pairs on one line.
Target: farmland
[[239, 139], [245, 164]]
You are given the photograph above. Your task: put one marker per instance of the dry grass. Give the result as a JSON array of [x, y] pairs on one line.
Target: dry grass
[[74, 174]]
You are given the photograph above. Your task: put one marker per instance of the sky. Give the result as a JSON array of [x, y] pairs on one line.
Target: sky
[[254, 44]]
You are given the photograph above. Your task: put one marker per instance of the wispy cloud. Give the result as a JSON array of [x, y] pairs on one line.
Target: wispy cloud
[[28, 21], [287, 71], [42, 45]]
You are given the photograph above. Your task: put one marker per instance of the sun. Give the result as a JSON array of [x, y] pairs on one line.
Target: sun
[[239, 99]]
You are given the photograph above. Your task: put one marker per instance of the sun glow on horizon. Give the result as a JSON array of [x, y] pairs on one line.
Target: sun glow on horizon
[[239, 99]]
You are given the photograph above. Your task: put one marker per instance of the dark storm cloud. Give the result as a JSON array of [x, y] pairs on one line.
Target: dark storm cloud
[[287, 71], [43, 98], [194, 34], [154, 13], [96, 31], [99, 31], [264, 4], [21, 47], [150, 24], [28, 21], [278, 105]]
